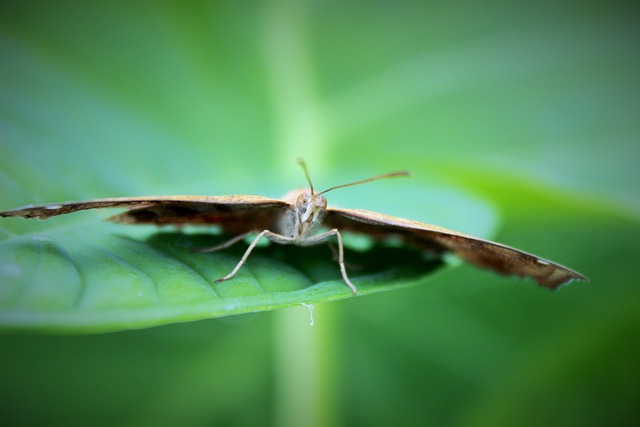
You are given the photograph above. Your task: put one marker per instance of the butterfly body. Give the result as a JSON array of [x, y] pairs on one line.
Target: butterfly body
[[305, 215]]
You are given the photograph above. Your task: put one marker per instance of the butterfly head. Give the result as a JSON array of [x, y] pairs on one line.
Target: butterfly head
[[309, 207]]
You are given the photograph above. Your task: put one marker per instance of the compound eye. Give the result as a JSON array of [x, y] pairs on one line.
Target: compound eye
[[303, 202], [323, 202]]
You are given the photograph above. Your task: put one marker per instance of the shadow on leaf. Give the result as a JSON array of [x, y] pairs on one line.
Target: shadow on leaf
[[379, 263]]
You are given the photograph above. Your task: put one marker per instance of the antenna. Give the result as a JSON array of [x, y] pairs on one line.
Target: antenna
[[375, 178], [303, 165]]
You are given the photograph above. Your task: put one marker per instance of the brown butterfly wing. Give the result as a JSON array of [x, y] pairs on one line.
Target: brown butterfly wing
[[483, 253], [234, 214]]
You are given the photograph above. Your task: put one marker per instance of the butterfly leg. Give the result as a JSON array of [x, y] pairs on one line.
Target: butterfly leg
[[320, 238], [278, 238], [335, 256], [224, 245]]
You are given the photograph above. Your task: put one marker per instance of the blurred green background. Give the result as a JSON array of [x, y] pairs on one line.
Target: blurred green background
[[531, 107]]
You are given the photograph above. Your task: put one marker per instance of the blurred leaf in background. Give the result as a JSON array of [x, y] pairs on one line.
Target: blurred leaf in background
[[524, 110]]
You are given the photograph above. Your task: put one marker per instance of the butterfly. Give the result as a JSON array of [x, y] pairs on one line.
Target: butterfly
[[297, 219]]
